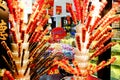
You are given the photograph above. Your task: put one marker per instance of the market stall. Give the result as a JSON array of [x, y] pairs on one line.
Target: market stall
[[36, 52]]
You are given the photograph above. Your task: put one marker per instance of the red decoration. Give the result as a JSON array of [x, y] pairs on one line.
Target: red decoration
[[51, 3], [58, 10], [68, 7], [58, 33]]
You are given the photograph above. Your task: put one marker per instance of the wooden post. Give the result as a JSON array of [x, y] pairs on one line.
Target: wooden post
[[104, 73]]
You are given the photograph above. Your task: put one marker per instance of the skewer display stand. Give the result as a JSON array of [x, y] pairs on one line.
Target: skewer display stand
[[27, 41], [92, 32]]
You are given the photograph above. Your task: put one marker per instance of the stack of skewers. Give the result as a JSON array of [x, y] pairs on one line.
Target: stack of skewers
[[28, 44], [92, 32]]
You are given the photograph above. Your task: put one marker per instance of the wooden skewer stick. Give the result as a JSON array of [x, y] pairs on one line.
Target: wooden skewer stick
[[7, 63], [37, 48], [22, 57], [19, 49], [7, 49], [15, 67], [105, 48], [28, 66]]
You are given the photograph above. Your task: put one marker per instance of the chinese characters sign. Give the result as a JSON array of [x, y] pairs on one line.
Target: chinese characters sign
[[3, 27]]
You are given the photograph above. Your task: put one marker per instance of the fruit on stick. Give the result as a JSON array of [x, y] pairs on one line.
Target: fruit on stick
[[78, 9], [108, 29], [7, 76], [78, 42], [74, 18], [94, 25], [102, 40], [84, 34], [101, 50]]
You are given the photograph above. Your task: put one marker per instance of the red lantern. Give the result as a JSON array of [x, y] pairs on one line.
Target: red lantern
[[58, 33]]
